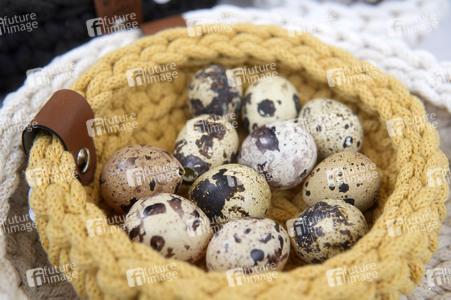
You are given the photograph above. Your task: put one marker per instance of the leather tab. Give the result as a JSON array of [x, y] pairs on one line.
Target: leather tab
[[128, 12], [67, 115], [158, 25]]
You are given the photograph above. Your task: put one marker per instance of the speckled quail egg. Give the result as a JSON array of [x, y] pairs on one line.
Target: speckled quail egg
[[206, 141], [269, 100], [231, 191], [136, 171], [209, 92], [333, 125], [348, 176], [326, 229], [249, 243], [171, 225], [282, 151]]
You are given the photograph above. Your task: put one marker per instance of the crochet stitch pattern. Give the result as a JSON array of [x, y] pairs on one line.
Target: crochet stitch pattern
[[63, 208]]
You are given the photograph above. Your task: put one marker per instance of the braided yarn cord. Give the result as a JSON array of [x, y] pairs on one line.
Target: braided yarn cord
[[63, 208]]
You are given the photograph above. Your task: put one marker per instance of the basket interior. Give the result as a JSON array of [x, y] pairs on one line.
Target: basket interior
[[161, 112]]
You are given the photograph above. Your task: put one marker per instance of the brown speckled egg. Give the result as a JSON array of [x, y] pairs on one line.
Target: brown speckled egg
[[348, 176], [205, 142], [171, 225], [210, 93], [326, 229], [333, 125], [136, 171], [231, 191], [282, 151], [248, 243], [269, 100]]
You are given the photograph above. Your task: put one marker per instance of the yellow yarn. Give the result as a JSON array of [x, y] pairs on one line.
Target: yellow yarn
[[63, 208]]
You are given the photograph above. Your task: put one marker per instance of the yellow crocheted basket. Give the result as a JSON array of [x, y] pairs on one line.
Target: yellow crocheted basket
[[404, 161]]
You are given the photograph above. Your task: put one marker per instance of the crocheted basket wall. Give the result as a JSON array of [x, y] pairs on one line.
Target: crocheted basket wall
[[63, 208]]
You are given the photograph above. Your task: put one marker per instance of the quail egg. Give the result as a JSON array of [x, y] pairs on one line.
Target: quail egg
[[231, 191], [136, 171], [333, 126], [269, 100], [249, 243], [326, 229], [209, 92], [206, 141], [171, 225], [282, 151], [348, 176]]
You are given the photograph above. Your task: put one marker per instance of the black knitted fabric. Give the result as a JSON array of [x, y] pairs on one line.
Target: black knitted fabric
[[61, 26]]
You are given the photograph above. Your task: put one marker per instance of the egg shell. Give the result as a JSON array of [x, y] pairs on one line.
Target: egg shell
[[249, 243], [269, 100], [136, 171], [333, 126], [326, 229], [282, 151], [171, 225], [209, 92], [348, 176], [231, 191], [204, 142]]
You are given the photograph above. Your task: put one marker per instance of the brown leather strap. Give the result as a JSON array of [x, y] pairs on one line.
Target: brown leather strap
[[128, 13], [108, 10], [70, 117], [155, 26], [67, 115]]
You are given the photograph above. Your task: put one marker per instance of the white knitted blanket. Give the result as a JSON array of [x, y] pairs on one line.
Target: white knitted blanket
[[413, 68], [361, 17]]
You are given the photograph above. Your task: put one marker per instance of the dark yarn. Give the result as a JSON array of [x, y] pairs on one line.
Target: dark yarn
[[61, 27]]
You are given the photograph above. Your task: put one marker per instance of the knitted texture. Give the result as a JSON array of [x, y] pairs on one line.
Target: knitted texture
[[25, 252], [418, 70], [61, 27], [63, 208], [363, 17]]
